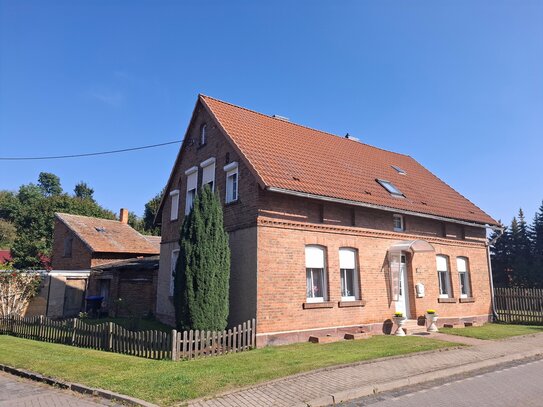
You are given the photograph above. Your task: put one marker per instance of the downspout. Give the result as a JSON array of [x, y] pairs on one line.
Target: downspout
[[491, 243]]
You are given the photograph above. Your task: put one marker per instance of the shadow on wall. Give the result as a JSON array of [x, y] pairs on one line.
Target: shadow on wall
[[61, 295]]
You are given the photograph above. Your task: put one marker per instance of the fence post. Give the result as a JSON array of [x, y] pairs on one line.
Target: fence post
[[73, 332], [40, 331], [174, 345], [110, 336]]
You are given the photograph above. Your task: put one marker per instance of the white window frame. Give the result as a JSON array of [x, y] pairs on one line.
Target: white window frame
[[208, 172], [402, 224], [232, 188], [315, 261], [463, 269], [192, 185], [203, 134], [174, 209], [444, 292], [348, 261], [173, 261]]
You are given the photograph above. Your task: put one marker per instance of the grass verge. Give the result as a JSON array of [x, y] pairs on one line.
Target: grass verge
[[493, 331], [166, 382]]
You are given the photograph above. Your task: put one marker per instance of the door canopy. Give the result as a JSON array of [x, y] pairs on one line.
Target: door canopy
[[413, 246]]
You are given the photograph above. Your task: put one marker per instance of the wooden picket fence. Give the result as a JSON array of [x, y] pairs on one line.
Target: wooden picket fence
[[195, 344], [519, 305], [112, 337]]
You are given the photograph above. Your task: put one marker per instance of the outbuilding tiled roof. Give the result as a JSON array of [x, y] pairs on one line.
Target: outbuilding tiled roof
[[109, 236], [291, 157]]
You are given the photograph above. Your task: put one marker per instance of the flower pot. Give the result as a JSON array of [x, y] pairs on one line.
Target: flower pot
[[399, 321], [431, 320]]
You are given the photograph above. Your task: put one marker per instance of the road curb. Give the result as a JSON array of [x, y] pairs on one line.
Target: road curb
[[76, 387], [375, 388]]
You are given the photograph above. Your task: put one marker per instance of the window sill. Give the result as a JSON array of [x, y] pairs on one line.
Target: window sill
[[201, 146], [446, 300], [467, 299], [355, 303], [316, 305], [231, 203]]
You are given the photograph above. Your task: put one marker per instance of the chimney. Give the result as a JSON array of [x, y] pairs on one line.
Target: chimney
[[123, 215]]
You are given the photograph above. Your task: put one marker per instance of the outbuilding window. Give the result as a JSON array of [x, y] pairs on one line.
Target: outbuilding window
[[315, 274], [68, 242], [348, 274], [443, 276]]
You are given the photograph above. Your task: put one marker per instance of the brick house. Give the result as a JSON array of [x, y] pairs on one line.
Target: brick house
[[95, 245], [326, 233]]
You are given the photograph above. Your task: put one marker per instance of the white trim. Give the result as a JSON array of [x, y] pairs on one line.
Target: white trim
[[209, 161], [191, 170], [231, 166], [381, 207], [232, 190]]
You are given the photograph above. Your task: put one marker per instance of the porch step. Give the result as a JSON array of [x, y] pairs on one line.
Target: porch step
[[325, 338], [356, 335], [411, 327]]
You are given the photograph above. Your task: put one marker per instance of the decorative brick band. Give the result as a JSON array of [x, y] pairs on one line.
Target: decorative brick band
[[345, 230]]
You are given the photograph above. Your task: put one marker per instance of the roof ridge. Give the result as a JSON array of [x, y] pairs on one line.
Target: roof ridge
[[90, 217], [301, 125]]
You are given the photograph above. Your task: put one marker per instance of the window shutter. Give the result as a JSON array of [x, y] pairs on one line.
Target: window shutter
[[346, 259]]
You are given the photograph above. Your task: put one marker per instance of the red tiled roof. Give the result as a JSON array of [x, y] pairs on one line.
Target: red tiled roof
[[292, 157], [109, 236]]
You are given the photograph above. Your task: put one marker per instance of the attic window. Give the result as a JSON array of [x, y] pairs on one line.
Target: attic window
[[100, 229], [400, 171], [389, 186]]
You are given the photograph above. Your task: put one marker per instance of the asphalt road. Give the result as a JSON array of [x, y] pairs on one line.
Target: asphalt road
[[17, 392], [507, 386]]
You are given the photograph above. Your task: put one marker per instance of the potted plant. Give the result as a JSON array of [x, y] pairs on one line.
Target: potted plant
[[399, 319], [431, 318]]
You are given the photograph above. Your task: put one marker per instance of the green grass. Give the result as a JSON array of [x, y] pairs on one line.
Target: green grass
[[493, 331], [167, 382], [133, 324]]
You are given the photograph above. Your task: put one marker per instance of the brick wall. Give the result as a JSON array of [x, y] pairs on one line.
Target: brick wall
[[281, 280], [81, 254]]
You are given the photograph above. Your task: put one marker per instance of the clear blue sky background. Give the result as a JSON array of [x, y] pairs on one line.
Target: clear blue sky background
[[458, 85]]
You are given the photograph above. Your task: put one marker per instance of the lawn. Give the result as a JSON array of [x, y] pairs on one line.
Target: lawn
[[493, 331], [167, 382]]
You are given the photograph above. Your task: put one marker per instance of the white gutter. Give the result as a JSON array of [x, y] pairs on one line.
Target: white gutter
[[383, 208]]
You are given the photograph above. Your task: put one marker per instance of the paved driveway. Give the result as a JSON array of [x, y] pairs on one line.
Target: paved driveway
[[17, 392]]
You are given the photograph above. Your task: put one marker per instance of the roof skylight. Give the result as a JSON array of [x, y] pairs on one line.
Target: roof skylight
[[389, 186], [400, 171]]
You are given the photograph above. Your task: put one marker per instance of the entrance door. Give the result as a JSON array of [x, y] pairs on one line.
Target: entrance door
[[402, 305]]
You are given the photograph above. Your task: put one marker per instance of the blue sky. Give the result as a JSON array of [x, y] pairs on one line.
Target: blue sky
[[457, 85]]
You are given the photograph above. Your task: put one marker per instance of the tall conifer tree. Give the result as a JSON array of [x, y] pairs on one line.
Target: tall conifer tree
[[203, 268]]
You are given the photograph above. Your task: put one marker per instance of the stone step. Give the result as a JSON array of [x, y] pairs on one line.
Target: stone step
[[356, 335], [325, 338]]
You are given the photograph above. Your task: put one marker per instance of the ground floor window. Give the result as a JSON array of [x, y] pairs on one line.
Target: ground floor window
[[348, 274], [463, 275], [315, 274], [443, 276]]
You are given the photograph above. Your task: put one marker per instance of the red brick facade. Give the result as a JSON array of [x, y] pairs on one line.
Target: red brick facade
[[268, 235]]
